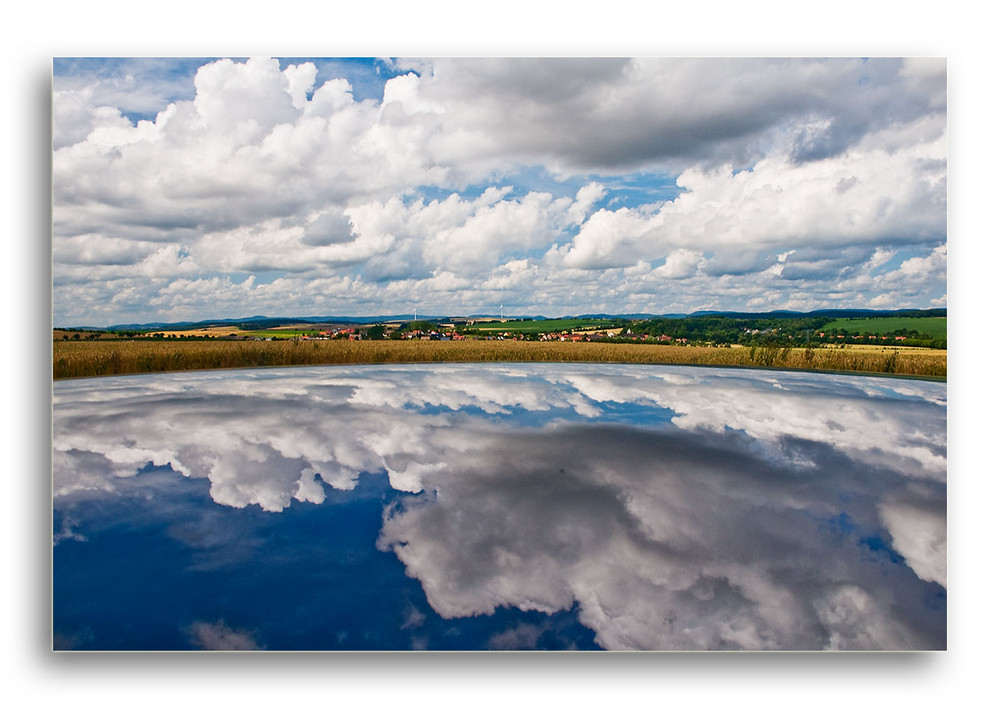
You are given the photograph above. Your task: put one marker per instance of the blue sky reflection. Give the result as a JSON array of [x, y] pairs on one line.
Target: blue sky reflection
[[499, 507]]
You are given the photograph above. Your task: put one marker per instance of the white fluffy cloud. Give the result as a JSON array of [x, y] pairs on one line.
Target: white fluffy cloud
[[860, 197], [435, 187]]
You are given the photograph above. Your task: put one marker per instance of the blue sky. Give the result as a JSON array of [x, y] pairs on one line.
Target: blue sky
[[199, 188]]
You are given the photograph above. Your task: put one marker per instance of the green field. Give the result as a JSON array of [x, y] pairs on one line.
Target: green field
[[933, 327], [542, 326]]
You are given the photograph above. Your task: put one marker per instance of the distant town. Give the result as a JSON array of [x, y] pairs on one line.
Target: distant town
[[910, 328]]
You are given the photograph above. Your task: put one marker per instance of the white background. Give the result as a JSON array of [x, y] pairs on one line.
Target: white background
[[963, 32]]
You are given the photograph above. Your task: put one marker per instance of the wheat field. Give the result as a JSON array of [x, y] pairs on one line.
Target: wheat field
[[105, 358]]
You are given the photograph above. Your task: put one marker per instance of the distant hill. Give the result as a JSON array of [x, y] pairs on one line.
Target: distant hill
[[934, 312], [264, 322], [791, 314], [256, 319], [624, 316]]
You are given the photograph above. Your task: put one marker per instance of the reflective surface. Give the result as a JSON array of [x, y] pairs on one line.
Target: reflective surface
[[481, 506]]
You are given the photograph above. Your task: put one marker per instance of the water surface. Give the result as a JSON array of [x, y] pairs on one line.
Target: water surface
[[524, 506]]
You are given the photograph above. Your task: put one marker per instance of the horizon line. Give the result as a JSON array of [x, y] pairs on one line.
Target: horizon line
[[334, 318]]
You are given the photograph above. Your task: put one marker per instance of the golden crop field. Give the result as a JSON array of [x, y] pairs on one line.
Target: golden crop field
[[215, 331], [926, 351], [74, 359]]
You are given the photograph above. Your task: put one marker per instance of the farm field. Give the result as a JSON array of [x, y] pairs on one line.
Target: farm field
[[204, 332], [280, 333], [216, 331], [936, 327], [915, 351], [76, 334], [72, 359]]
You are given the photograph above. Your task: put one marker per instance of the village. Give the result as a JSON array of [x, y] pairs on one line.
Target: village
[[448, 332], [709, 330]]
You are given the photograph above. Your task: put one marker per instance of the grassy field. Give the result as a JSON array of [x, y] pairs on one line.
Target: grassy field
[[103, 358], [934, 327], [281, 333]]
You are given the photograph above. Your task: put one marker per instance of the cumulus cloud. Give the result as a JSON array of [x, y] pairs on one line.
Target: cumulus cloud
[[682, 509], [237, 167], [467, 237], [615, 113], [682, 263], [778, 205]]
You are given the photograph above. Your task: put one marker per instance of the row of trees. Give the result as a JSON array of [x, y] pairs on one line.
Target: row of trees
[[728, 330]]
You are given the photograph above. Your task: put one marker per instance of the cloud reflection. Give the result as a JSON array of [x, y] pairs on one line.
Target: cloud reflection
[[674, 508], [217, 636]]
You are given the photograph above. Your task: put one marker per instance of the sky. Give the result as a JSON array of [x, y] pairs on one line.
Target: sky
[[188, 189], [664, 508]]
